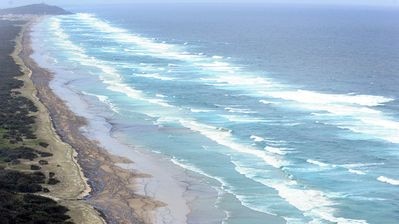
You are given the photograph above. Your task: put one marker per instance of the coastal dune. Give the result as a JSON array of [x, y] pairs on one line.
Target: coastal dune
[[73, 186], [41, 180]]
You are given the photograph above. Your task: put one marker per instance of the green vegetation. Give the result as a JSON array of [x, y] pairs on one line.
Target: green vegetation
[[19, 145], [36, 9], [16, 181], [17, 209]]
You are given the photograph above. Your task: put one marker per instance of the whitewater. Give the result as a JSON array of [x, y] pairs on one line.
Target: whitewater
[[273, 151]]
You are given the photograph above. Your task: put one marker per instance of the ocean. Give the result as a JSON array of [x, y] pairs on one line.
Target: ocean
[[290, 113]]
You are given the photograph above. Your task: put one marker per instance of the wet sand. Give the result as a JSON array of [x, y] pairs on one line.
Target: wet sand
[[111, 190], [133, 187]]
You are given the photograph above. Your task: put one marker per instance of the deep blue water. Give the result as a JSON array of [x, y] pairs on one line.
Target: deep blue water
[[291, 111]]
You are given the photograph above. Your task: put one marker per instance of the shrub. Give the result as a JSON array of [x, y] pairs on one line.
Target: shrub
[[43, 144], [16, 125], [19, 209], [35, 167], [43, 162], [45, 154], [52, 181], [22, 182]]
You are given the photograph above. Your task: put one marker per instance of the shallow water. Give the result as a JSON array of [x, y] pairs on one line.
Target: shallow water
[[289, 112]]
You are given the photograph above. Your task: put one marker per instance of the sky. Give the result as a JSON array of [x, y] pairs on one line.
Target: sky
[[13, 3]]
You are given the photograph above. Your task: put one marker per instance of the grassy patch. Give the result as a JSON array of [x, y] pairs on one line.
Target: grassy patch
[[19, 147]]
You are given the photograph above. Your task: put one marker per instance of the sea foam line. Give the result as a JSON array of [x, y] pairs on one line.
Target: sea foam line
[[363, 119], [225, 138], [348, 167], [388, 180], [206, 130], [103, 99], [225, 187], [155, 49], [109, 74], [115, 83], [312, 203]]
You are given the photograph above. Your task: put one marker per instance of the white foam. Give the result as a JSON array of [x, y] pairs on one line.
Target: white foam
[[195, 110], [109, 74], [363, 118], [358, 108], [275, 150], [239, 110], [371, 122], [388, 180], [257, 138], [318, 163], [313, 203], [357, 165], [243, 119], [379, 126], [155, 76], [224, 187], [225, 138], [348, 167], [63, 38], [310, 97], [194, 169], [347, 111], [105, 100], [337, 104], [136, 43], [160, 95], [358, 172], [293, 220], [117, 86], [274, 142], [251, 82], [267, 102], [217, 57]]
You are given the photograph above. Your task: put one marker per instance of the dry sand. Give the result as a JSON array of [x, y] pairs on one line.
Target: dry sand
[[73, 186]]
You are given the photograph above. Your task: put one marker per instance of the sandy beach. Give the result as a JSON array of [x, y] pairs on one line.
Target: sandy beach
[[132, 187], [73, 186], [109, 192], [202, 112]]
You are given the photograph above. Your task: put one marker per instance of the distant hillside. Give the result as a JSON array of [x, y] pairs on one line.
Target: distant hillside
[[35, 9]]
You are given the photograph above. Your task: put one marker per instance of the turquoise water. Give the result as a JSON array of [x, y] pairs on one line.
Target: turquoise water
[[291, 112]]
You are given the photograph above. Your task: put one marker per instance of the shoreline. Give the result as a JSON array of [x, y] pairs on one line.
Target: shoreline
[[107, 181], [122, 188]]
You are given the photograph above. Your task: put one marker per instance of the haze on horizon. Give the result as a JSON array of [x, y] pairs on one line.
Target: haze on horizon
[[15, 3]]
